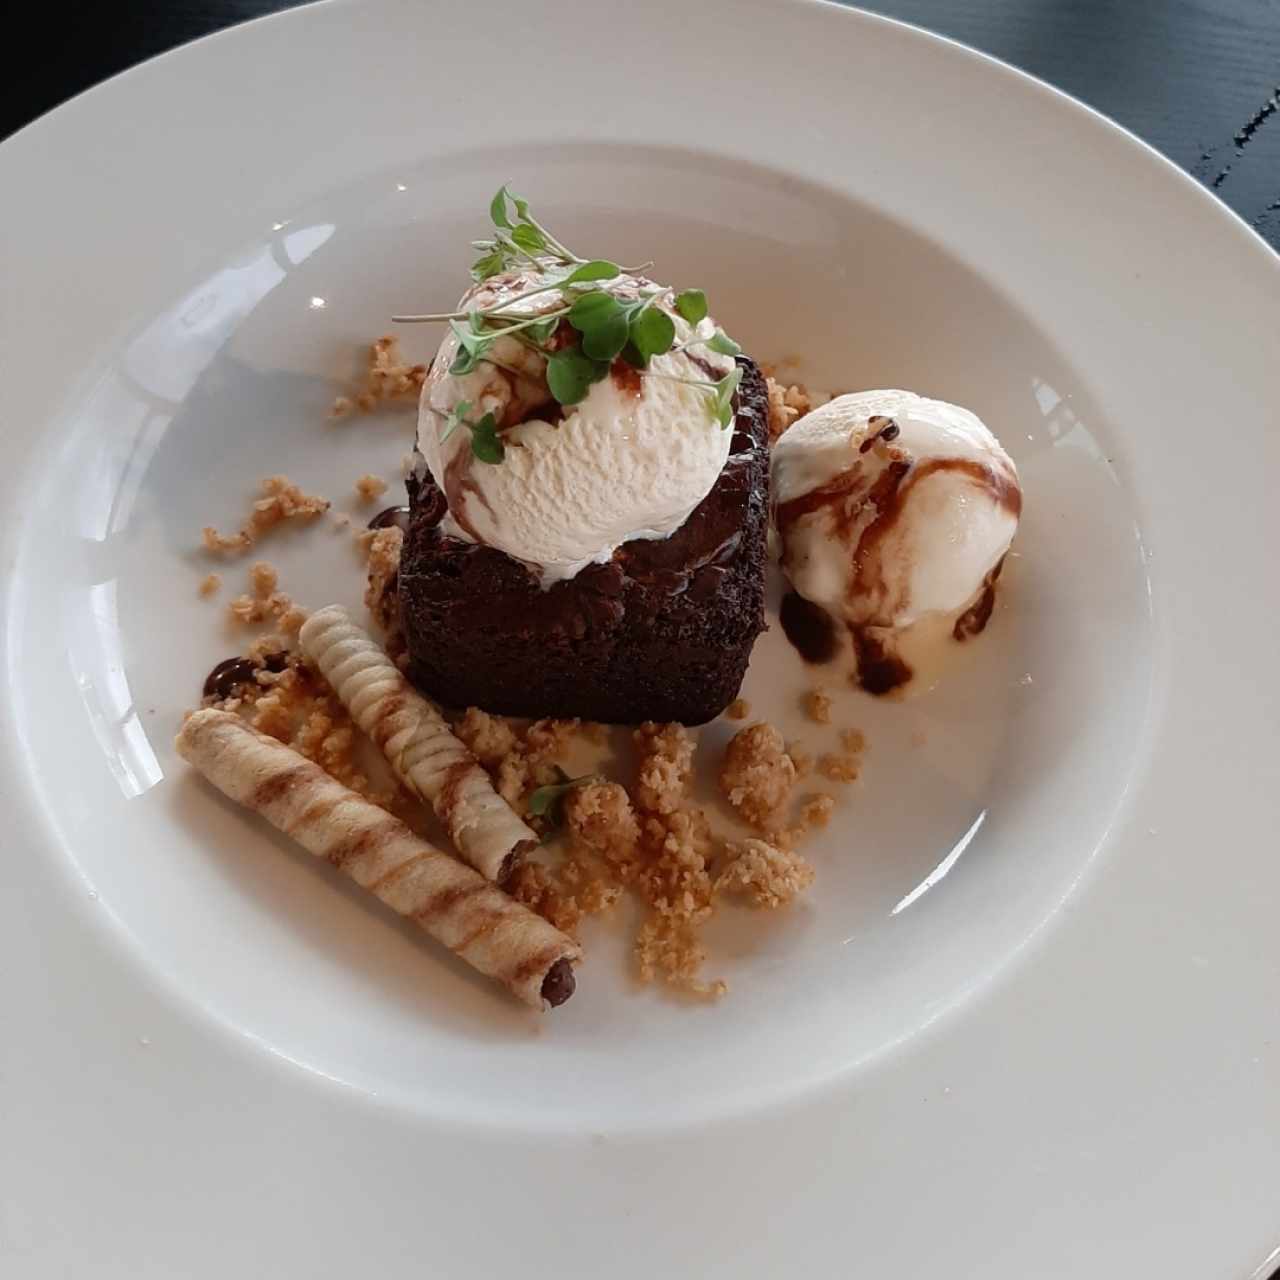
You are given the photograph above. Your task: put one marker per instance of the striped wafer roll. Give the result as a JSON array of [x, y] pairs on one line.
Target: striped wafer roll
[[457, 907], [414, 737]]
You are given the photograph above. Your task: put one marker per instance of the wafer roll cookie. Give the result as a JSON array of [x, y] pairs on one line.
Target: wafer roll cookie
[[417, 741], [455, 905]]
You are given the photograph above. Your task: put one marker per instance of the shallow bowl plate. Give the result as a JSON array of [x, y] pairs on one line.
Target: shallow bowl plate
[[1024, 1024]]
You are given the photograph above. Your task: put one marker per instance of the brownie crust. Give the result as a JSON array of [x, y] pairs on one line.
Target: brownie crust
[[662, 632]]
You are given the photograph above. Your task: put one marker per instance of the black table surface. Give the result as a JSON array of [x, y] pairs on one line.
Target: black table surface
[[1197, 79]]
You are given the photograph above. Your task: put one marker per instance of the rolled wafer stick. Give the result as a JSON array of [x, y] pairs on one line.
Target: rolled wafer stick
[[415, 738], [457, 907]]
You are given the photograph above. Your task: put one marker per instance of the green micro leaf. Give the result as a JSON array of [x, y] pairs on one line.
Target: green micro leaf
[[522, 206], [464, 362], [498, 209], [570, 375], [724, 345], [722, 402], [592, 309], [652, 333], [540, 333], [486, 444], [488, 264], [605, 340], [692, 304], [456, 418], [529, 238], [598, 269]]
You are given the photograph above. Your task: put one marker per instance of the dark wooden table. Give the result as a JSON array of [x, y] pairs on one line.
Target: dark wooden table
[[1198, 79]]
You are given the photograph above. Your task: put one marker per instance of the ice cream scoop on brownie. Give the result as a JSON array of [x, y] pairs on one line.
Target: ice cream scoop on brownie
[[588, 521]]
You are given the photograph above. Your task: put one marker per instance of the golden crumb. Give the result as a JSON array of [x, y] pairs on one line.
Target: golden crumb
[[209, 585], [546, 740], [767, 875], [676, 885], [381, 598], [296, 706], [533, 884], [263, 579], [786, 404], [281, 500], [845, 765], [563, 895], [738, 709], [593, 732], [817, 706], [815, 811], [369, 487], [757, 774], [599, 818], [518, 761], [488, 738], [801, 759], [669, 949], [388, 379], [266, 604], [840, 768], [666, 765]]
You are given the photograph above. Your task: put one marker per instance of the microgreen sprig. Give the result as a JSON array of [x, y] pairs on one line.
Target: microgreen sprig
[[607, 326], [486, 443]]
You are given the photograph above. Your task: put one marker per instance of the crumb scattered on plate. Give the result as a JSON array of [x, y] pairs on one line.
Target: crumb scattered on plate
[[281, 500]]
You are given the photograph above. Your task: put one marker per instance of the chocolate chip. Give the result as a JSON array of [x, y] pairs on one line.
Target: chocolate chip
[[559, 984]]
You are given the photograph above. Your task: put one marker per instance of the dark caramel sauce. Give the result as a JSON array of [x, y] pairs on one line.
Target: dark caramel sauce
[[879, 671], [809, 627], [232, 673], [975, 618]]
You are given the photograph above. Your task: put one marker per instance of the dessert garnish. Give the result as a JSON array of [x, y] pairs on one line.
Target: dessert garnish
[[577, 327], [454, 904], [417, 743]]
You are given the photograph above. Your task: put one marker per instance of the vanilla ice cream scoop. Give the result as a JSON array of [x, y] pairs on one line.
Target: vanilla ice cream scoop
[[632, 459], [892, 509]]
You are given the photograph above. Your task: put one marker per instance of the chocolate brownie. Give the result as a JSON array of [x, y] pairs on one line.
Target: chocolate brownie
[[663, 631]]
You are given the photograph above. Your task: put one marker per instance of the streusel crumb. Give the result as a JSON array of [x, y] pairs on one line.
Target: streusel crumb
[[388, 379], [666, 765], [563, 896], [369, 487], [817, 706], [263, 579], [840, 768], [769, 876], [209, 585], [845, 765], [786, 404], [599, 818], [281, 500], [382, 547], [801, 759], [757, 775], [738, 709], [677, 887], [488, 738], [815, 811]]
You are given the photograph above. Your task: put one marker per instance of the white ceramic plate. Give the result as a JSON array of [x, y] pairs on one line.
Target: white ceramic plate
[[1026, 1025]]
